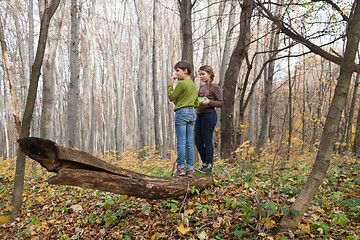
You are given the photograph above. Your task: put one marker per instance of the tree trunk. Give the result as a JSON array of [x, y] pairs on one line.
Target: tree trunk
[[73, 106], [22, 52], [264, 131], [351, 114], [155, 96], [185, 7], [356, 147], [77, 168], [31, 33], [30, 103], [47, 124], [10, 77], [163, 78], [141, 81], [322, 161], [290, 108], [231, 78], [206, 36], [251, 131], [226, 51]]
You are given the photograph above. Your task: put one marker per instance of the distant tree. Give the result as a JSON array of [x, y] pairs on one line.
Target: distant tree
[[73, 102], [10, 77], [141, 11], [155, 78], [48, 98]]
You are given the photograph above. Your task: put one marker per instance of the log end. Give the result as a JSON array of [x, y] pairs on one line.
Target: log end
[[42, 150]]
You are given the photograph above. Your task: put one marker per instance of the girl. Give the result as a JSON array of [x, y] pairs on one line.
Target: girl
[[206, 117], [185, 96]]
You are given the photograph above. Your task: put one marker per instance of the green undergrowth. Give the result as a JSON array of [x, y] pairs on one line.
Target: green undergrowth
[[246, 201]]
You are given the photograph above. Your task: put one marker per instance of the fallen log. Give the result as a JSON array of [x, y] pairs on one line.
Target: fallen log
[[78, 168]]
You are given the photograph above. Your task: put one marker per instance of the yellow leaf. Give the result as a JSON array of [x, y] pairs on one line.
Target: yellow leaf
[[4, 219], [182, 229], [251, 150], [189, 211], [40, 198]]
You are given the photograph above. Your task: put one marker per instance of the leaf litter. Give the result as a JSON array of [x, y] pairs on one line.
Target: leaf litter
[[246, 201]]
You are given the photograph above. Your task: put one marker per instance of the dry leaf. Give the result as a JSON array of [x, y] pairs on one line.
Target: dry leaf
[[182, 229]]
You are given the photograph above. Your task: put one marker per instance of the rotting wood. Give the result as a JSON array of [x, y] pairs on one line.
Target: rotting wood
[[78, 168]]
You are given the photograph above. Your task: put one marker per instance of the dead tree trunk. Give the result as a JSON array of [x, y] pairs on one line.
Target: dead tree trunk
[[77, 168]]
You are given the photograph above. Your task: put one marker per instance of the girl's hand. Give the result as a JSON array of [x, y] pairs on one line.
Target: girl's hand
[[173, 79], [206, 102]]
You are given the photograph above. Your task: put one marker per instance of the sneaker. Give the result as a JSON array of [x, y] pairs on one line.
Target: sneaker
[[190, 173], [180, 172], [205, 169]]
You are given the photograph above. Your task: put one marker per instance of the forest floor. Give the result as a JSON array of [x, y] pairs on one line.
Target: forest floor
[[246, 201]]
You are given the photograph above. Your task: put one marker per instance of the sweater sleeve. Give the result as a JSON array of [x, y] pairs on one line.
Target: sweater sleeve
[[218, 101], [173, 94]]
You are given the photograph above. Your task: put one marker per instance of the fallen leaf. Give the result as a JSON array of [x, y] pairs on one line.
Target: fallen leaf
[[189, 211], [4, 219], [182, 229], [40, 198]]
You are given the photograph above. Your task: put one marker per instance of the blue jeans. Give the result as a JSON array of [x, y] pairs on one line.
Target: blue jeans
[[184, 127], [204, 129]]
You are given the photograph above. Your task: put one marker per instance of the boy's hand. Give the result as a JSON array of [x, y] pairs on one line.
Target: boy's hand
[[172, 79]]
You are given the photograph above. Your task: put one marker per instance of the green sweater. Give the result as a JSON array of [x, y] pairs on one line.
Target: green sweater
[[185, 94]]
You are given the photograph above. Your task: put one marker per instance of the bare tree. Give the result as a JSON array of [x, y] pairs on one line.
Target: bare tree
[[30, 103], [155, 78], [141, 80], [10, 77], [231, 78], [47, 127], [73, 104], [226, 50], [185, 7], [322, 161]]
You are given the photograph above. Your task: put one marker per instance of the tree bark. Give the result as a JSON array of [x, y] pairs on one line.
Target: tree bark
[[206, 37], [47, 114], [142, 72], [231, 78], [322, 161], [10, 77], [251, 131], [73, 107], [155, 79], [226, 51], [30, 103], [356, 148], [185, 8], [265, 125], [349, 125], [31, 33], [77, 168]]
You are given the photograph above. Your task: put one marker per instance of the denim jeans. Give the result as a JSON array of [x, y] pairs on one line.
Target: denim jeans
[[184, 127], [204, 128]]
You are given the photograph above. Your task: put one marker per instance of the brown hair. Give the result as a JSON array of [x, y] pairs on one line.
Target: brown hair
[[183, 65], [210, 71]]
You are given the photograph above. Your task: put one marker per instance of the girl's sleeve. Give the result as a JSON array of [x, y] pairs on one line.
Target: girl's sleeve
[[218, 101]]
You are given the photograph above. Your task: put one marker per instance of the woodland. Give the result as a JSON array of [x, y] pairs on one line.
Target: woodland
[[86, 81]]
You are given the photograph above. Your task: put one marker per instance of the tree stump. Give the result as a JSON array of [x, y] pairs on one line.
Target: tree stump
[[78, 168]]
